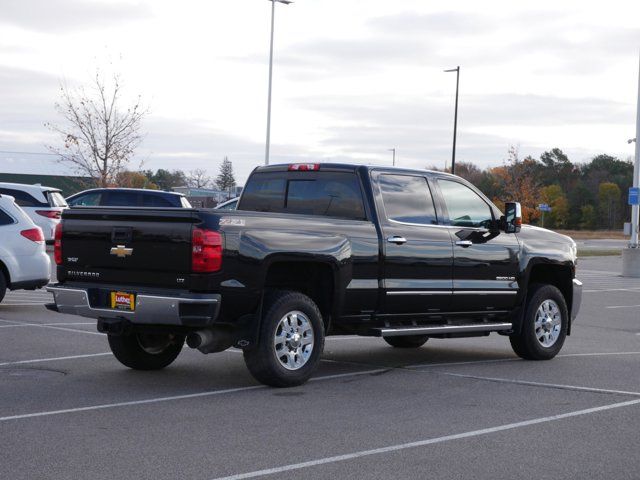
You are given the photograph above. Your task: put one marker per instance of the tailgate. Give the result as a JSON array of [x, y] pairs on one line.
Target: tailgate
[[127, 245]]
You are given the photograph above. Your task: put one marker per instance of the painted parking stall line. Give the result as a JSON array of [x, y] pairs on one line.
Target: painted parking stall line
[[427, 442]]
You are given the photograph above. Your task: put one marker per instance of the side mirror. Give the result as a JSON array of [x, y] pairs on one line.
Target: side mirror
[[512, 220]]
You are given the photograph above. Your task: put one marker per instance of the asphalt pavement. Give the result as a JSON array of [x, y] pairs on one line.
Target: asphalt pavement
[[455, 408]]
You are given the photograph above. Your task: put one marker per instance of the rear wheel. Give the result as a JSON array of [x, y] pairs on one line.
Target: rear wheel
[[290, 343], [408, 341], [146, 351], [544, 326]]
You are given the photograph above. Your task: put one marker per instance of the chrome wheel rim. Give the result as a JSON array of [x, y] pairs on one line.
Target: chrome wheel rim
[[548, 323], [293, 340]]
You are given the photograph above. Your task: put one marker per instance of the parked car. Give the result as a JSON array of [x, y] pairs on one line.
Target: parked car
[[24, 264], [127, 197], [316, 250], [228, 205], [43, 204]]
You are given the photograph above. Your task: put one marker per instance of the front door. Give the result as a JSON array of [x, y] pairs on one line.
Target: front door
[[418, 256], [485, 260]]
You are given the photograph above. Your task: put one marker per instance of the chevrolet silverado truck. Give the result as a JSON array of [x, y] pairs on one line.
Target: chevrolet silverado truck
[[315, 250]]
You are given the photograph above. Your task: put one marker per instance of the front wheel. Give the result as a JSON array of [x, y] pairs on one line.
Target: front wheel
[[290, 343], [544, 326], [407, 341], [146, 351]]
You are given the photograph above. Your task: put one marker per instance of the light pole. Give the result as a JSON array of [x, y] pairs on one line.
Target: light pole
[[273, 12], [455, 119], [394, 155]]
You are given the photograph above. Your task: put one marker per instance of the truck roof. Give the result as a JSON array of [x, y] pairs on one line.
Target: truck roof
[[347, 167]]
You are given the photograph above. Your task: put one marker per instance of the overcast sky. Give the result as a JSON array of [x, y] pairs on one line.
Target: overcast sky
[[352, 78]]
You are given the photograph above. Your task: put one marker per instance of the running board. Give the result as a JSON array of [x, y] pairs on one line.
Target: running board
[[440, 329]]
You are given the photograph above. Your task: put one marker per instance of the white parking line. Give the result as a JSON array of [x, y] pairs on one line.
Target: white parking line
[[174, 397], [9, 304], [42, 325], [423, 443], [542, 384], [46, 324], [613, 290], [623, 306], [54, 359]]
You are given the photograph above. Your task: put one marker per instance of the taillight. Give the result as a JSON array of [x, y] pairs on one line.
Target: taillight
[[55, 214], [57, 244], [304, 167], [33, 234], [206, 251]]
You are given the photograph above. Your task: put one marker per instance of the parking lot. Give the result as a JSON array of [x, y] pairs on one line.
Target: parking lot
[[463, 408]]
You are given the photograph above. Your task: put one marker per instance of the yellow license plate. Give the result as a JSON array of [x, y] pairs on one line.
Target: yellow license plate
[[123, 301]]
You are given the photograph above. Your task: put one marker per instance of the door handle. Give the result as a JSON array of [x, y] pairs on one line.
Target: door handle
[[397, 240], [464, 243]]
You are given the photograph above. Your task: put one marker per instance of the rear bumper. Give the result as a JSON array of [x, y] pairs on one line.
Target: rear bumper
[[576, 298], [184, 309]]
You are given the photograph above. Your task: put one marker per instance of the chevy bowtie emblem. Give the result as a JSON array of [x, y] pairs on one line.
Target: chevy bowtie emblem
[[121, 251]]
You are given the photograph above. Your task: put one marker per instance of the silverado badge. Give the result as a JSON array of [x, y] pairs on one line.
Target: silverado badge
[[121, 251]]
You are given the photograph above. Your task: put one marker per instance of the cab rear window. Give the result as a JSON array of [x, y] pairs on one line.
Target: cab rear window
[[330, 194]]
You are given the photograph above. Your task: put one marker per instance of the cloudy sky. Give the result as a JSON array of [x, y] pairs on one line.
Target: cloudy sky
[[352, 78]]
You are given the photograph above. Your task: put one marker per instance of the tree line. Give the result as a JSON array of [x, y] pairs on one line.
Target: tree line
[[591, 195]]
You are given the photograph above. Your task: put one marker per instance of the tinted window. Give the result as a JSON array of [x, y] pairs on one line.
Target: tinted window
[[120, 199], [152, 200], [466, 208], [5, 219], [264, 193], [328, 194], [407, 199], [23, 199], [332, 195], [86, 200]]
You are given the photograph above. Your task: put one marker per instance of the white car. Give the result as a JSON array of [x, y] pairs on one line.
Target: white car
[[24, 263], [43, 204]]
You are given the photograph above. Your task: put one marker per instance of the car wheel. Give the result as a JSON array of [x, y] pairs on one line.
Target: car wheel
[[3, 286], [544, 325], [408, 341], [291, 340], [145, 351]]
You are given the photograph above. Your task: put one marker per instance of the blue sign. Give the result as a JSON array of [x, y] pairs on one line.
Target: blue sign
[[544, 207], [634, 196]]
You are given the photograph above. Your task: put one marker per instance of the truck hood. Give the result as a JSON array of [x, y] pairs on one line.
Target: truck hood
[[530, 232], [546, 243]]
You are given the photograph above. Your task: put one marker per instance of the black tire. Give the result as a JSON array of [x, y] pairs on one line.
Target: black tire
[[528, 344], [408, 341], [146, 351], [3, 285], [263, 361]]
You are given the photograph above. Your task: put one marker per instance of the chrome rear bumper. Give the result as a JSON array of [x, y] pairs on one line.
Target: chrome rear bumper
[[152, 309]]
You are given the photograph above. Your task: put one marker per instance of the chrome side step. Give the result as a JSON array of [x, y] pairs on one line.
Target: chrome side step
[[441, 329]]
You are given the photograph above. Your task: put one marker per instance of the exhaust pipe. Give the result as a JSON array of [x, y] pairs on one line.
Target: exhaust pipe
[[209, 341]]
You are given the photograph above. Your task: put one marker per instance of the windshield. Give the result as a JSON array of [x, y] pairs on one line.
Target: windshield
[[56, 199]]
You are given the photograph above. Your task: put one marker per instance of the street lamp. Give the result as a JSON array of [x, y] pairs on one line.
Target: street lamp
[[394, 155], [455, 119], [273, 11]]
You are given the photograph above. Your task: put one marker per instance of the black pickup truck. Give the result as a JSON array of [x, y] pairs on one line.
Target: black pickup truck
[[316, 250]]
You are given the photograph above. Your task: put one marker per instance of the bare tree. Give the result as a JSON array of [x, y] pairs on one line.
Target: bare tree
[[198, 178], [99, 135]]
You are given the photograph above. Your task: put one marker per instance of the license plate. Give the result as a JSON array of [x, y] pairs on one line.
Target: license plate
[[123, 301]]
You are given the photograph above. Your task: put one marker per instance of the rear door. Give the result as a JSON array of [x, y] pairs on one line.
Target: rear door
[[485, 265], [418, 256]]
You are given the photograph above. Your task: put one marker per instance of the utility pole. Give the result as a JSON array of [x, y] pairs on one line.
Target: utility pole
[[394, 155], [455, 119]]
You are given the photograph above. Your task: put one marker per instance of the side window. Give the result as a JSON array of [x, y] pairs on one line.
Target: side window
[[264, 193], [23, 199], [407, 199], [332, 195], [466, 208], [229, 206], [87, 200], [151, 200], [5, 219], [120, 199]]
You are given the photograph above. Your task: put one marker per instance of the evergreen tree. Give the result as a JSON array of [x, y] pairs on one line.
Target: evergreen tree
[[225, 179]]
